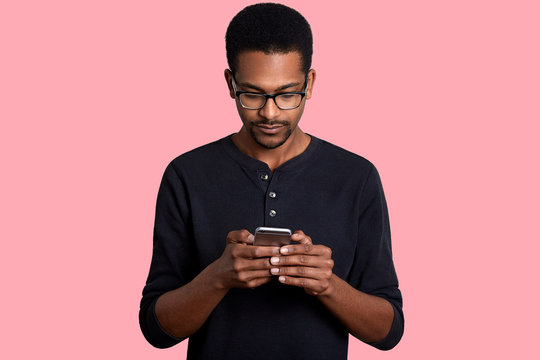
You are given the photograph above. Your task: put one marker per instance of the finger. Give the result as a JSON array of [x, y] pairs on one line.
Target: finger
[[254, 252], [255, 264], [302, 260], [300, 237], [307, 249], [303, 271], [252, 284], [310, 285], [247, 276], [240, 237]]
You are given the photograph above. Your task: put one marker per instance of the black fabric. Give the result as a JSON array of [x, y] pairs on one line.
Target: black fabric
[[334, 196]]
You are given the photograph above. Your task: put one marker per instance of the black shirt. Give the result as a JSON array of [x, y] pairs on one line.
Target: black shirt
[[333, 195]]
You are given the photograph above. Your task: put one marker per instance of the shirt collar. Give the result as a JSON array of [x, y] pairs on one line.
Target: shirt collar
[[292, 165]]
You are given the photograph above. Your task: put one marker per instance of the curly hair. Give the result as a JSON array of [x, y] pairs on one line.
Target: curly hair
[[269, 28]]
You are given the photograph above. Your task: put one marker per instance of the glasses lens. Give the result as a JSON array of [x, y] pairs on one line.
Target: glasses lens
[[288, 101], [252, 101]]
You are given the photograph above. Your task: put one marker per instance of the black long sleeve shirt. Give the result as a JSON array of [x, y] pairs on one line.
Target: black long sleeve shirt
[[334, 196]]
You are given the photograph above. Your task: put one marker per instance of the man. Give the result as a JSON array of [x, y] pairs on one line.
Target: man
[[233, 299]]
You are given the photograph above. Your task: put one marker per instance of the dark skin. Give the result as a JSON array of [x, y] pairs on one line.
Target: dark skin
[[181, 312], [257, 71]]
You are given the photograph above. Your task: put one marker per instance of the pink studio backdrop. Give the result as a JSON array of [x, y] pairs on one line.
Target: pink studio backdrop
[[96, 97]]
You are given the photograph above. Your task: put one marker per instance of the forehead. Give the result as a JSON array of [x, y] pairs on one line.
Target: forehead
[[269, 70]]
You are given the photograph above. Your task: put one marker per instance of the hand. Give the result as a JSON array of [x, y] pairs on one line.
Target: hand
[[305, 265], [242, 265]]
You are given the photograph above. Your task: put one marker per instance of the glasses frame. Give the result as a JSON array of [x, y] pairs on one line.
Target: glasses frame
[[268, 96]]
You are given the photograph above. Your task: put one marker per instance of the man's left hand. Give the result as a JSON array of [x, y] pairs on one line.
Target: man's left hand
[[304, 265]]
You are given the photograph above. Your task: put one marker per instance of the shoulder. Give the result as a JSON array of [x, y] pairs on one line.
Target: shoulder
[[200, 158], [341, 161], [347, 171]]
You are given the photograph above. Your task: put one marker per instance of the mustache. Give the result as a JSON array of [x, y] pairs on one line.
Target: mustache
[[271, 123]]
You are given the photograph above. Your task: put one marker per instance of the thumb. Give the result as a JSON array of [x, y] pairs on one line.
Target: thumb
[[240, 237], [300, 237]]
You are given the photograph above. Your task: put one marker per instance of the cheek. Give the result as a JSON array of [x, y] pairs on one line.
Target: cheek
[[295, 119], [241, 110], [245, 116]]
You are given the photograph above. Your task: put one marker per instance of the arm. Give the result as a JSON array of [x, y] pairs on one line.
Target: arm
[[367, 317], [368, 302], [181, 312], [178, 297]]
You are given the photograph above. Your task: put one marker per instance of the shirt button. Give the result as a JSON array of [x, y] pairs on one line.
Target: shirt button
[[272, 194], [264, 177], [273, 213]]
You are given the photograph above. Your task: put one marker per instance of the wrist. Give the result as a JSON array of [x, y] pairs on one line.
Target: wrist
[[329, 291], [215, 278]]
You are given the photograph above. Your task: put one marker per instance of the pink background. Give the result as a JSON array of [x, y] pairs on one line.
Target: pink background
[[96, 97]]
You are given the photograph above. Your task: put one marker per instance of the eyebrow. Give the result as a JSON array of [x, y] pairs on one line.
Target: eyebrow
[[254, 87]]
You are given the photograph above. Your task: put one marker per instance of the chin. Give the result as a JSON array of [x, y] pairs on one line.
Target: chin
[[270, 142]]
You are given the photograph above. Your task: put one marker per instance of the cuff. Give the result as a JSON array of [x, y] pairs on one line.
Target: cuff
[[395, 333], [152, 330]]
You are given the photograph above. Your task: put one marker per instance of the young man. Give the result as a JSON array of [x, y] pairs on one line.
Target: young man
[[233, 299]]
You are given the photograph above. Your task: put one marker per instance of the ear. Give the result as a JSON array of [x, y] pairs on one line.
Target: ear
[[228, 79], [311, 81]]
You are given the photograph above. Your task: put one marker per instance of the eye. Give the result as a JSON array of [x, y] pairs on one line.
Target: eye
[[288, 96], [251, 96]]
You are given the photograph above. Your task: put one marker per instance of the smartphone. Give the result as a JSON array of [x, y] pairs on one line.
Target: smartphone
[[271, 236]]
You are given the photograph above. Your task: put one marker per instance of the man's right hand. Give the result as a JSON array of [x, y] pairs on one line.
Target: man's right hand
[[182, 311], [243, 265]]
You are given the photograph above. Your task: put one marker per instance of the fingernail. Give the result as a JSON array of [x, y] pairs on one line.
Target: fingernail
[[274, 260], [282, 278], [251, 237], [284, 250], [274, 271]]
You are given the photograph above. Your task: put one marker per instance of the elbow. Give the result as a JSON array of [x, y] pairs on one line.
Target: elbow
[[394, 335], [152, 330]]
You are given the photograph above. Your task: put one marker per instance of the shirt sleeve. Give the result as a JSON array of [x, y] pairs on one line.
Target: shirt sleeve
[[172, 263], [373, 269]]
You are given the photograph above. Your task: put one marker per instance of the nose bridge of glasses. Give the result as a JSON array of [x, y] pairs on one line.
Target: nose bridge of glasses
[[273, 97], [270, 106]]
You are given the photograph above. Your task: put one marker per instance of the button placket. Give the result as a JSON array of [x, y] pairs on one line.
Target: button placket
[[272, 201], [264, 178]]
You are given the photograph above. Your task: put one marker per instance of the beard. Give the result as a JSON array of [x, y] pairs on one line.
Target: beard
[[277, 139]]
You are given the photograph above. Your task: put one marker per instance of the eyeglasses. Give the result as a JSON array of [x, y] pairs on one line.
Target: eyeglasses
[[255, 101]]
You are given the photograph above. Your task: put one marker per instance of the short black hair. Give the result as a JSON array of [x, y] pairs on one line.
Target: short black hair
[[270, 28]]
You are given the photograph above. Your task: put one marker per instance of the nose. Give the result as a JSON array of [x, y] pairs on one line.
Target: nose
[[270, 110]]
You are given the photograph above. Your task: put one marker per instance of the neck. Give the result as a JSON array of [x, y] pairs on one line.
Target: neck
[[296, 144]]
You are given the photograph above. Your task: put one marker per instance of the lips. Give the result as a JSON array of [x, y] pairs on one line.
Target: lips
[[270, 130]]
